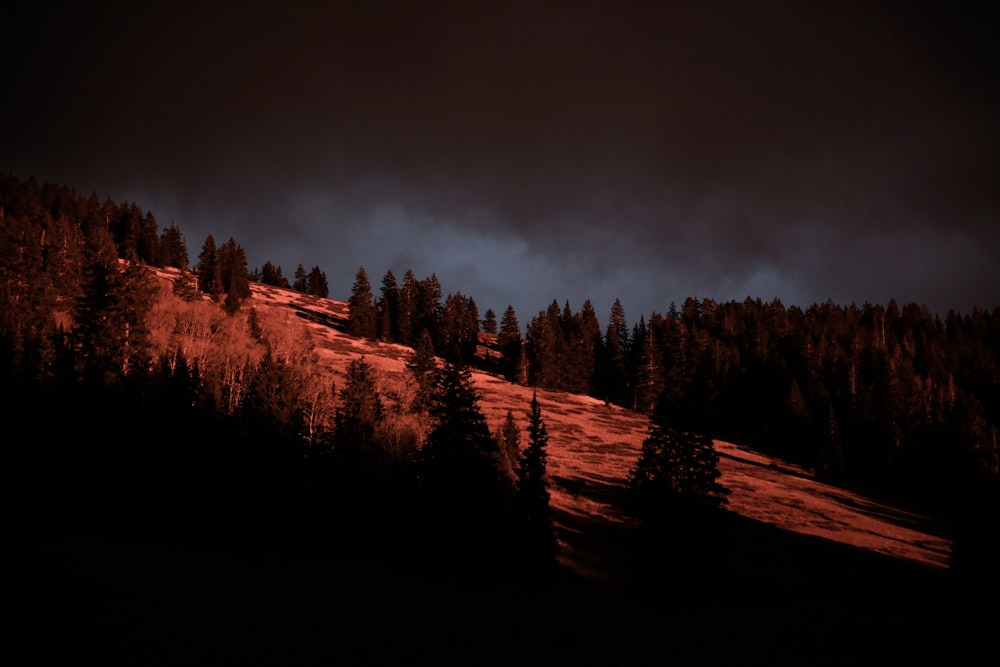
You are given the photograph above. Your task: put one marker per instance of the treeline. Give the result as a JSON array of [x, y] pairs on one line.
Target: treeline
[[892, 398], [886, 396]]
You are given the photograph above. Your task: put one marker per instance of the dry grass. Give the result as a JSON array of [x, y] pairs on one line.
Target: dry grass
[[592, 447]]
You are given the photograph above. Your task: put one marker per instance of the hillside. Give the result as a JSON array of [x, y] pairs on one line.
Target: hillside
[[593, 445], [815, 574]]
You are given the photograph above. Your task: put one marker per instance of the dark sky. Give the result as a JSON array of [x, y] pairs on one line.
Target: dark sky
[[525, 152]]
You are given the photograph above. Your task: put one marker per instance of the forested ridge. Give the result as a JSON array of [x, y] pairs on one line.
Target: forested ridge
[[183, 406]]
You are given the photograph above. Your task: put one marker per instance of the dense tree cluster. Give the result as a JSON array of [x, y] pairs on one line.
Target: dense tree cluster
[[401, 313], [890, 397], [154, 410]]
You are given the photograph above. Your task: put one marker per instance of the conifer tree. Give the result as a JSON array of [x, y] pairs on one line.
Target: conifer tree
[[612, 364], [110, 332], [467, 494], [359, 461], [509, 438], [361, 307], [173, 249], [678, 469], [422, 364], [426, 309], [233, 274], [271, 275], [388, 308], [316, 283], [459, 331], [489, 323], [405, 319], [207, 269], [509, 344], [533, 510], [674, 491], [300, 283]]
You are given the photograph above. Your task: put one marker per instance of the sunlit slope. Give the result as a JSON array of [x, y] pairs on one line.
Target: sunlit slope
[[593, 445]]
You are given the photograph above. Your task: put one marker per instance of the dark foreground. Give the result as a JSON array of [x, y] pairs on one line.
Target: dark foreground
[[85, 599]]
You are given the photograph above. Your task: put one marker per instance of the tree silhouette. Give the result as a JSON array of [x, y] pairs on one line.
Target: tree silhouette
[[509, 344], [674, 491], [360, 464], [422, 364], [534, 514], [509, 439], [207, 269], [467, 495], [233, 274], [388, 308], [361, 307], [173, 249], [316, 283], [299, 283], [489, 323]]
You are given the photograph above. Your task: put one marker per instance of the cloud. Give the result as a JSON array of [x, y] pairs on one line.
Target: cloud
[[530, 152]]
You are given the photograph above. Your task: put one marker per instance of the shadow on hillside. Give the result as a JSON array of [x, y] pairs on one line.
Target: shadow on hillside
[[325, 319]]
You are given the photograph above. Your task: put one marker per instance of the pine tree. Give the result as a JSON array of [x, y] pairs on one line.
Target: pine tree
[[388, 309], [316, 283], [173, 249], [459, 331], [489, 323], [271, 275], [111, 333], [422, 364], [547, 350], [233, 274], [300, 283], [361, 307], [674, 491], [467, 495], [534, 513], [677, 469], [405, 319], [612, 368], [509, 439], [359, 461], [509, 344], [207, 269], [426, 309]]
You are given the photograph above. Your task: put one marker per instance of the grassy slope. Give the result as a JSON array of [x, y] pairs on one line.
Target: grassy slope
[[816, 575]]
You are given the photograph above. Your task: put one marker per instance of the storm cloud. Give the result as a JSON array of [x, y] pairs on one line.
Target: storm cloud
[[525, 152]]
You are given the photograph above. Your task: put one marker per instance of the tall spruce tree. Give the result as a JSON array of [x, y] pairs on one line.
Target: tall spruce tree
[[233, 274], [207, 269], [361, 307], [300, 282], [674, 492], [534, 513], [509, 344], [388, 308], [173, 249], [317, 284], [489, 323], [612, 365], [422, 364], [468, 497], [360, 463]]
